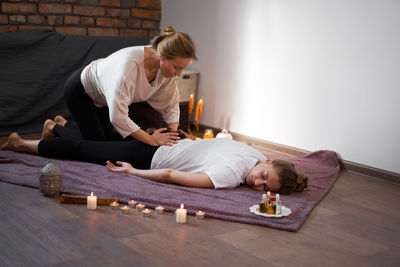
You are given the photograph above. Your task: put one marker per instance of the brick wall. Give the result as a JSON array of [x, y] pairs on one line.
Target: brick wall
[[128, 18]]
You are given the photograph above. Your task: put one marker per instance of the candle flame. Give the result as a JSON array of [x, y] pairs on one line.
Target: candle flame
[[91, 194], [182, 206]]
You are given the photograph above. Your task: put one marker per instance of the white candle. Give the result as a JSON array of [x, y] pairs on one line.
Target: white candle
[[91, 202], [146, 212], [180, 215], [140, 207], [132, 204], [114, 205], [200, 215], [124, 210], [159, 209]]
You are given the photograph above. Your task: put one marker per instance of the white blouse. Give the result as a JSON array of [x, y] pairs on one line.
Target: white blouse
[[120, 80]]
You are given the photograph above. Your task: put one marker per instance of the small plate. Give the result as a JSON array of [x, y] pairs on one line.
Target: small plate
[[285, 212]]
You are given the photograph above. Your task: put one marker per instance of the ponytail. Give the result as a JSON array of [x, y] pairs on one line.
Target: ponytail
[[302, 182], [289, 178], [172, 44]]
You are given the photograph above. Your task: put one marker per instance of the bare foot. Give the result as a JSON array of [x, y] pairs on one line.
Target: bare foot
[[18, 144], [13, 142], [60, 120], [48, 129]]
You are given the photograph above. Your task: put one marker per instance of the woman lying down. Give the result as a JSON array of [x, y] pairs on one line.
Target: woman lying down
[[208, 163]]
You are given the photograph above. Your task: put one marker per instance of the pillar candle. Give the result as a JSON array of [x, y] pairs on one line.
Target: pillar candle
[[91, 202], [199, 110], [180, 215], [191, 104]]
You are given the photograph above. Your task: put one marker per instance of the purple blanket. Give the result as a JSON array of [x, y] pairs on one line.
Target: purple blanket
[[321, 167]]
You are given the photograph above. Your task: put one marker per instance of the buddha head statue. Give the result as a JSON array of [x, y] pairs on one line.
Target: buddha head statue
[[50, 181]]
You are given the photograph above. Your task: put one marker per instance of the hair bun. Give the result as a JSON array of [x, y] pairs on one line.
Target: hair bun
[[169, 30], [302, 181]]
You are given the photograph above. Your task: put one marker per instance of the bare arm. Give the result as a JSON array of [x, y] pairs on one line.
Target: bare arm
[[164, 175], [157, 138], [173, 127]]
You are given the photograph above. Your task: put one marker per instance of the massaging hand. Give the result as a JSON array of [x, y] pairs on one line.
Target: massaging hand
[[182, 134], [168, 138], [124, 167]]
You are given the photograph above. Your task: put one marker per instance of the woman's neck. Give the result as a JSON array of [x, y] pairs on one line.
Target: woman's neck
[[151, 63]]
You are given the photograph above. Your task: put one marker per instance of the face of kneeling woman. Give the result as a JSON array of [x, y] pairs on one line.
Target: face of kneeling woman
[[171, 67], [263, 177]]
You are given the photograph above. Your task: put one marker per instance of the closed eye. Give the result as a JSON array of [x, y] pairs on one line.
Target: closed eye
[[265, 175]]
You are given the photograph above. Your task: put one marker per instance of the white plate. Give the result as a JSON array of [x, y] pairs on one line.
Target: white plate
[[285, 211]]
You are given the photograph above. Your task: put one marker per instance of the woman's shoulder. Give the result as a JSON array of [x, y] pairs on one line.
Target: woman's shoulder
[[129, 54], [135, 53]]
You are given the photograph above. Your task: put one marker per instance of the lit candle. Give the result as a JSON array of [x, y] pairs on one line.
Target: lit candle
[[180, 215], [91, 202], [140, 207], [190, 109], [114, 205], [199, 110], [146, 212], [191, 104], [208, 134], [132, 204], [159, 209], [224, 134], [200, 215], [125, 210]]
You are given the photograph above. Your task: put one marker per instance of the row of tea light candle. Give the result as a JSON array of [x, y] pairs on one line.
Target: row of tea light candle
[[180, 214]]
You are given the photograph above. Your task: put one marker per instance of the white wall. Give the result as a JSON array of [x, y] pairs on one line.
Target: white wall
[[312, 74]]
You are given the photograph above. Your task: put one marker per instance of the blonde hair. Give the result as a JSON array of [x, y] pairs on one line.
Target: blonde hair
[[289, 178], [174, 44]]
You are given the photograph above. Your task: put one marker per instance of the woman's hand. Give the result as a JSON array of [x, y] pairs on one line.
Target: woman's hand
[[159, 138], [124, 167], [182, 134]]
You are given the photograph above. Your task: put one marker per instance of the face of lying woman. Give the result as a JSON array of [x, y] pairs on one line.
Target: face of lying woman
[[263, 177]]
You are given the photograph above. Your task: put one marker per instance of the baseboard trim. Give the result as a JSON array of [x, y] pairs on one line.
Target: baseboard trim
[[365, 170], [345, 165]]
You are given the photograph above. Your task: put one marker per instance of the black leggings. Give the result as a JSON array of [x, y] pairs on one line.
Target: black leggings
[[135, 152], [93, 122]]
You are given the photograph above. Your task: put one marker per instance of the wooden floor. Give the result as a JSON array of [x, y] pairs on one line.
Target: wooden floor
[[357, 224]]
